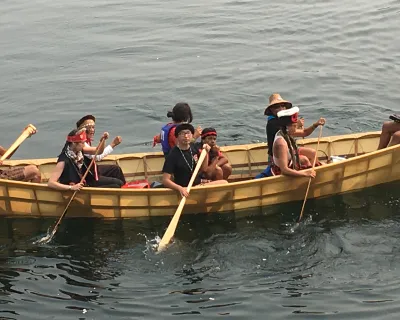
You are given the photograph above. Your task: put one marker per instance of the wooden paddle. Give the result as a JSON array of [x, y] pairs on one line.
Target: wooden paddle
[[50, 236], [309, 180], [25, 134], [169, 233]]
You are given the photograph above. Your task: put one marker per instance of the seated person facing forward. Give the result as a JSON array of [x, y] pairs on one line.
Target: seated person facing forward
[[29, 173], [276, 104], [286, 156], [218, 167], [181, 162], [72, 165], [88, 123], [390, 135]]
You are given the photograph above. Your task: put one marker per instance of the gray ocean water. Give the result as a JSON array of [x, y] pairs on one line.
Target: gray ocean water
[[128, 63]]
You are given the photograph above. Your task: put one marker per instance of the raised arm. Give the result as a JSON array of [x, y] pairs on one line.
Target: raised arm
[[88, 150], [308, 131]]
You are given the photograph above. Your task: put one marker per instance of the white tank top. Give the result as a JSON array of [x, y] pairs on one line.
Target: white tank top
[[278, 136]]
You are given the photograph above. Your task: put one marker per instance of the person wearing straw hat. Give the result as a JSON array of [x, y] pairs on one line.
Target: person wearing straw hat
[[286, 157], [276, 104]]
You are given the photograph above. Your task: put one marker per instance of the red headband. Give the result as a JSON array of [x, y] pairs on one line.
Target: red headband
[[81, 137], [209, 133]]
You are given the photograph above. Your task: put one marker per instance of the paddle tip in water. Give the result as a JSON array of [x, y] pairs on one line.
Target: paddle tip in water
[[162, 247]]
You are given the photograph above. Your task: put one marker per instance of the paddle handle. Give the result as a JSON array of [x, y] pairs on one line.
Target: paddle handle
[[169, 233], [25, 134], [309, 180], [74, 194]]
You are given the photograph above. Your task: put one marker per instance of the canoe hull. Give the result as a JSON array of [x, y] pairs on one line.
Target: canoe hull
[[362, 171]]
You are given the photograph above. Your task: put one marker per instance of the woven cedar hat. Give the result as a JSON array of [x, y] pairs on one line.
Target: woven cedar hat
[[274, 99]]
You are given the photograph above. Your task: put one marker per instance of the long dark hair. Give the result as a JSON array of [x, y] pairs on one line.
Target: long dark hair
[[292, 146], [181, 113]]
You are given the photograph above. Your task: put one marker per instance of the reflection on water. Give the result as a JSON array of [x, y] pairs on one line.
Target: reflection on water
[[218, 265]]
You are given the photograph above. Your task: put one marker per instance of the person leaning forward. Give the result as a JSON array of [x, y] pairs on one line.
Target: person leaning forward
[[88, 122], [29, 173], [181, 162]]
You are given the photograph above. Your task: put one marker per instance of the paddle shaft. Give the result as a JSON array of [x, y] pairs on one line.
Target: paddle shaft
[[75, 192], [169, 233], [309, 180], [25, 134]]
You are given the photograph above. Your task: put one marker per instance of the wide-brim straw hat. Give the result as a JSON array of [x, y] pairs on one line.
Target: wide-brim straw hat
[[274, 99]]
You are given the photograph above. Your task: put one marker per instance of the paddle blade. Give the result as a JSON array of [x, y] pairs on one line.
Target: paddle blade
[[48, 237], [169, 233]]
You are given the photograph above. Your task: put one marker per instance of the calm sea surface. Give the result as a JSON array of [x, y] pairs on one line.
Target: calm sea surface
[[128, 63]]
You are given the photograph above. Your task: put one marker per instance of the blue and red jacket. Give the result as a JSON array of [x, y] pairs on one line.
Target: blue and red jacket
[[164, 137]]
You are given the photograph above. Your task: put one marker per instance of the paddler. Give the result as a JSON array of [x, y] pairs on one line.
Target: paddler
[[181, 113], [181, 162], [276, 104], [88, 123], [29, 173], [286, 157], [72, 165]]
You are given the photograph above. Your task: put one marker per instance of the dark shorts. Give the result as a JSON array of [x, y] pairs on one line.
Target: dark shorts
[[13, 173]]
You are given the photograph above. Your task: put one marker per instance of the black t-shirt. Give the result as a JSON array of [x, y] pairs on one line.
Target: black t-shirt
[[181, 164], [272, 128], [71, 172]]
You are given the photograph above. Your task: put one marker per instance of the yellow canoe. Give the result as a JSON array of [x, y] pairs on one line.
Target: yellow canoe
[[365, 167]]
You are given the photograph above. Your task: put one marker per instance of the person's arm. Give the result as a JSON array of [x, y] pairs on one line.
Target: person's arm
[[204, 165], [55, 176], [167, 182], [88, 150], [222, 160], [156, 139], [306, 132], [280, 154], [107, 150], [2, 151]]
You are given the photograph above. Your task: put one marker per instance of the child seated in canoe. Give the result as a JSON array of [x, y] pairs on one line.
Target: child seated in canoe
[[218, 165], [181, 162], [390, 135], [181, 113]]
